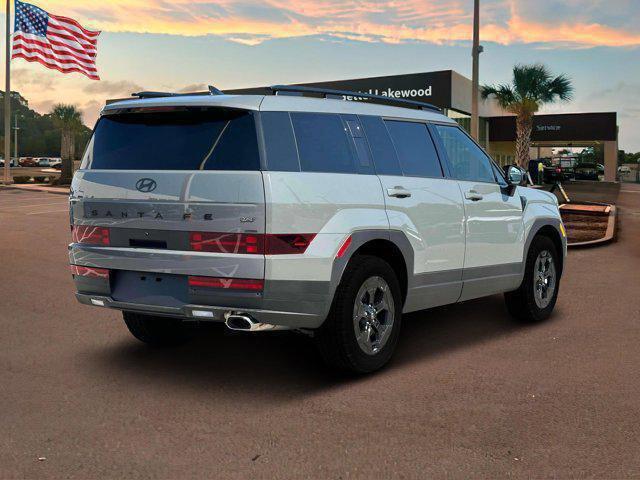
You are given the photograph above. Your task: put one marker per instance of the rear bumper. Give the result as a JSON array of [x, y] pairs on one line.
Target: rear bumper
[[195, 312]]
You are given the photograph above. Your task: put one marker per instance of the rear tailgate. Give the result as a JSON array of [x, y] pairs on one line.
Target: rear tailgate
[[153, 232], [172, 194]]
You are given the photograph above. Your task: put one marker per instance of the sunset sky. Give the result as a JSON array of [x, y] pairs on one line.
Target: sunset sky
[[187, 44]]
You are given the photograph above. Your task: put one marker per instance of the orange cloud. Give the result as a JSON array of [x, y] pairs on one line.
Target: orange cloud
[[390, 21]]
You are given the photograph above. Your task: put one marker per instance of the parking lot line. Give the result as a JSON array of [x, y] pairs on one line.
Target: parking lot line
[[48, 211], [31, 205]]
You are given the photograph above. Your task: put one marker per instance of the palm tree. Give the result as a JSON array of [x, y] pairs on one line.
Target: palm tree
[[69, 120], [533, 86]]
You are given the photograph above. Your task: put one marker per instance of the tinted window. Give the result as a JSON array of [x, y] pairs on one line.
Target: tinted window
[[280, 145], [467, 160], [416, 151], [384, 155], [499, 175], [174, 140], [323, 145], [359, 143]]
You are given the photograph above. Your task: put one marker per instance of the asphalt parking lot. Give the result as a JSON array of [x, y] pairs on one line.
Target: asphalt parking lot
[[470, 394]]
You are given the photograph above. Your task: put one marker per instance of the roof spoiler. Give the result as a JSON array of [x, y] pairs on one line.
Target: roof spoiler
[[211, 91]]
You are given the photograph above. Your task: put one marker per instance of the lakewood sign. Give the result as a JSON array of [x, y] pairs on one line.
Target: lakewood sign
[[429, 87]]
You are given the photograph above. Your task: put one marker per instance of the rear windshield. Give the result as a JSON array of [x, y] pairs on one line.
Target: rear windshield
[[186, 139]]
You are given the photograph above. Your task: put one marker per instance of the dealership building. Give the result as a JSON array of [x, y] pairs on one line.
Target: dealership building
[[452, 93]]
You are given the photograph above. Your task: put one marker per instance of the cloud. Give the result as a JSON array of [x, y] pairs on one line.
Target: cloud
[[106, 87], [22, 77], [194, 87], [251, 22]]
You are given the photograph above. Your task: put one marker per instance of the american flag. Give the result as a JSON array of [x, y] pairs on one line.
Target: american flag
[[56, 42]]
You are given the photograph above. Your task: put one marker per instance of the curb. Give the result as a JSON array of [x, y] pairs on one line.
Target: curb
[[54, 190]]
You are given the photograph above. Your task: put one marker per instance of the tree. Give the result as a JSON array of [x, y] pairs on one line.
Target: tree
[[69, 120], [533, 86]]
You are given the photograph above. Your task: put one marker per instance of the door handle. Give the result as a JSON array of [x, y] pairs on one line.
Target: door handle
[[473, 196], [398, 192]]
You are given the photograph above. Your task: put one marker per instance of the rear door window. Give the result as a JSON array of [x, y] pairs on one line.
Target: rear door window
[[415, 148], [177, 139], [384, 154], [323, 144]]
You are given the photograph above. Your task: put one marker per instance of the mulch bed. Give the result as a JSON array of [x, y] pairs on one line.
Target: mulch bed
[[583, 227]]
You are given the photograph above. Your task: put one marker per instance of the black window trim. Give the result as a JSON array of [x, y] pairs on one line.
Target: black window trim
[[456, 125], [435, 145]]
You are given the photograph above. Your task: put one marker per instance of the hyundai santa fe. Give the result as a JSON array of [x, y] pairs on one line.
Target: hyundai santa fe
[[299, 210]]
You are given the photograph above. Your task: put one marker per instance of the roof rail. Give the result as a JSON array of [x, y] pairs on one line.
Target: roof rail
[[211, 90], [329, 93]]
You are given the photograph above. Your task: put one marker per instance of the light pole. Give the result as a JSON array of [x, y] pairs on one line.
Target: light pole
[[477, 50], [15, 139], [7, 98]]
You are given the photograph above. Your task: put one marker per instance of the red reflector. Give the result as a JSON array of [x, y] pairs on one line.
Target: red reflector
[[282, 244], [344, 247], [227, 283], [90, 272], [226, 242], [88, 234]]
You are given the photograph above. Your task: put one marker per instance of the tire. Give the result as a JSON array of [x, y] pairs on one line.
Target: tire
[[156, 331], [337, 340], [525, 304]]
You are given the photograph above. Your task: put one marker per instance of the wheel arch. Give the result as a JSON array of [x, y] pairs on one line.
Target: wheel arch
[[551, 229], [391, 246]]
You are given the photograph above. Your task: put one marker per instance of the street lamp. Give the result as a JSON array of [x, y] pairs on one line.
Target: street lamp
[[475, 53]]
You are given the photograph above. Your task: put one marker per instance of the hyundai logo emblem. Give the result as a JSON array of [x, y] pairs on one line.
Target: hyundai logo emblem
[[146, 185]]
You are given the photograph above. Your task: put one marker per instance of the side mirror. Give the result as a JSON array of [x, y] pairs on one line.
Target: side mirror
[[514, 175]]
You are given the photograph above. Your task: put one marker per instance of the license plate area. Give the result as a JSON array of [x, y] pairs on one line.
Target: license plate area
[[150, 288]]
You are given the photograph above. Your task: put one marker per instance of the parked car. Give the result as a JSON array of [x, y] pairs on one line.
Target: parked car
[[340, 219], [44, 162], [57, 164], [12, 163], [624, 170], [587, 171], [28, 162]]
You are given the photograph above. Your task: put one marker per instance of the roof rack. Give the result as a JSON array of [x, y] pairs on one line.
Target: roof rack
[[211, 91], [340, 94]]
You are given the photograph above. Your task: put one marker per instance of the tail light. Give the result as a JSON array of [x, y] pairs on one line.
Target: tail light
[[89, 272], [246, 284], [283, 244], [226, 242], [250, 243], [558, 170], [90, 235]]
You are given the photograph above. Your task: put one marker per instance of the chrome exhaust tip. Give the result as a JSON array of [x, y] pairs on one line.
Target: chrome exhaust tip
[[246, 323]]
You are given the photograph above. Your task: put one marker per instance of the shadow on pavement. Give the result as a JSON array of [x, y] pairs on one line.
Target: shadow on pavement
[[280, 365]]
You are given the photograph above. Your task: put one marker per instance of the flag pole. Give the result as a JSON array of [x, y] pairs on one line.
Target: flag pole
[[7, 100]]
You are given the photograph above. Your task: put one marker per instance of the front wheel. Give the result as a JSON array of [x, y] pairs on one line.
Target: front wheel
[[535, 299], [156, 331], [363, 326]]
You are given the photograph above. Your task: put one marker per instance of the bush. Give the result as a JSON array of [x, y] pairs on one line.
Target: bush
[[21, 179]]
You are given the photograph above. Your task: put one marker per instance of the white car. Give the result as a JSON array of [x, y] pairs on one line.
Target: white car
[[624, 170], [329, 217]]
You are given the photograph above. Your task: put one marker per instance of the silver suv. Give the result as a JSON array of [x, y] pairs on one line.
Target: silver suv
[[320, 215]]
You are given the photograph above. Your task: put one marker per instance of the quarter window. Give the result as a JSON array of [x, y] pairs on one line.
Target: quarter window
[[468, 162], [323, 145], [416, 151]]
